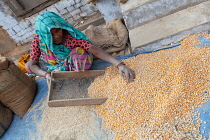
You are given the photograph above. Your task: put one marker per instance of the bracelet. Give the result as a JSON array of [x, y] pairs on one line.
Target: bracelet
[[121, 63], [46, 74]]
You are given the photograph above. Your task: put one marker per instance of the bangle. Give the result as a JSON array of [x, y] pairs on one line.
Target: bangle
[[121, 63], [46, 74]]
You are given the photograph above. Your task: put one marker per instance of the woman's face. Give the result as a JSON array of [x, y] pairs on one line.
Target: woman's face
[[57, 34]]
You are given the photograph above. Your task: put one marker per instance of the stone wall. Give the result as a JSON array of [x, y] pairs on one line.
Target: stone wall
[[22, 31]]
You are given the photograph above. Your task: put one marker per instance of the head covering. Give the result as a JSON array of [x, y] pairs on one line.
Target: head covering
[[44, 23]]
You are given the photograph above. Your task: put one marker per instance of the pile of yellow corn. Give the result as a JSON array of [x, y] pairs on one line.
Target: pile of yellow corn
[[158, 104]]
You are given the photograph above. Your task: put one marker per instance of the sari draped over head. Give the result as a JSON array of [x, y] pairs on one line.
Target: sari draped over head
[[54, 56]]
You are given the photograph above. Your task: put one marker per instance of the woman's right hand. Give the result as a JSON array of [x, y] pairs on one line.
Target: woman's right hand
[[48, 76]]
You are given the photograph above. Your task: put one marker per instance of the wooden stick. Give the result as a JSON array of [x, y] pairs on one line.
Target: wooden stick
[[77, 102]]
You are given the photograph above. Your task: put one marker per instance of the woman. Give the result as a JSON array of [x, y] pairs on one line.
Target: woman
[[58, 46]]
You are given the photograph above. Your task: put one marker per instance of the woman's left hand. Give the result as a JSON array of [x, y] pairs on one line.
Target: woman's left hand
[[124, 70]]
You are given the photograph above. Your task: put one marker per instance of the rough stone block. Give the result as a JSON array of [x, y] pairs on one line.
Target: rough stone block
[[85, 7], [77, 11], [77, 5], [148, 10], [70, 21], [59, 7], [83, 2], [70, 8], [170, 25], [71, 2], [84, 14], [64, 11], [52, 9], [17, 28], [67, 16], [77, 1], [76, 16], [11, 32], [67, 3]]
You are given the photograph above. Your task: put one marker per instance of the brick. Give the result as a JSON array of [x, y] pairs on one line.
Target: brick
[[83, 2], [64, 11], [71, 8], [17, 28], [77, 1], [10, 20], [90, 12], [78, 5], [2, 15], [52, 9], [32, 19], [71, 2], [11, 32], [21, 33], [70, 21], [17, 39], [76, 17], [7, 26], [2, 23], [67, 3], [84, 14], [67, 16], [60, 6], [85, 8], [94, 8], [77, 11], [24, 24]]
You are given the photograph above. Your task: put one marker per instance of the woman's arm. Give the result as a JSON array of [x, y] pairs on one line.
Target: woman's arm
[[123, 69], [33, 65]]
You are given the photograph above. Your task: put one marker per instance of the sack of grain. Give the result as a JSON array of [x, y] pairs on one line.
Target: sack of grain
[[100, 35], [5, 118], [112, 37], [3, 62], [121, 31], [17, 90]]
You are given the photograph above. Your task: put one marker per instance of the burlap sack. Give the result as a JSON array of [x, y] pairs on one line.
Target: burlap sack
[[3, 62], [6, 116], [17, 90], [100, 36], [112, 37], [122, 33]]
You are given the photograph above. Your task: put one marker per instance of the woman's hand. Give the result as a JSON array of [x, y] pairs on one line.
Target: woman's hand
[[48, 76], [124, 70]]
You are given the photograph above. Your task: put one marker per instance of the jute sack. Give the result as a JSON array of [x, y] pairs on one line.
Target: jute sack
[[121, 31], [3, 62], [17, 90], [6, 116], [101, 36]]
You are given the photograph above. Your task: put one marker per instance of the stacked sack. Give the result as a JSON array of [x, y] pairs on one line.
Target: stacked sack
[[17, 91], [5, 118], [112, 37]]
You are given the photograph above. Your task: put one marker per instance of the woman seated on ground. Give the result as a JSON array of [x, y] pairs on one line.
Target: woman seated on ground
[[58, 46]]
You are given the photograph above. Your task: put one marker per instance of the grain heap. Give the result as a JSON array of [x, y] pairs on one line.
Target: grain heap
[[158, 104]]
